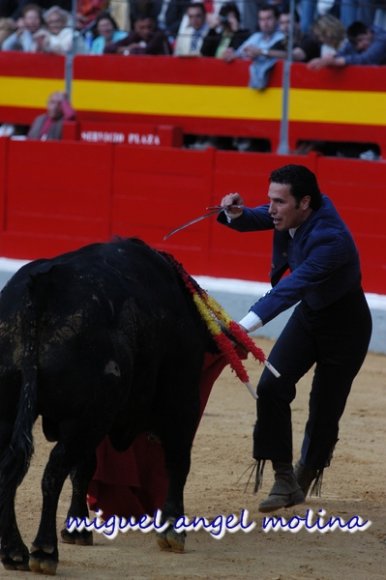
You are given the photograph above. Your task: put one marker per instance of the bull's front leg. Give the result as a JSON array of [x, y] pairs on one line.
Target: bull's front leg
[[44, 551]]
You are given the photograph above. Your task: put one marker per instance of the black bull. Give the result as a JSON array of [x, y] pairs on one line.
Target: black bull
[[102, 341]]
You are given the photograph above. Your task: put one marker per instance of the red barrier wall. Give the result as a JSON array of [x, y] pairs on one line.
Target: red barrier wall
[[57, 196], [153, 193], [201, 96]]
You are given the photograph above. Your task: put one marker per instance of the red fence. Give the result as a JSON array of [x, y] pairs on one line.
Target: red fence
[[57, 196], [204, 96]]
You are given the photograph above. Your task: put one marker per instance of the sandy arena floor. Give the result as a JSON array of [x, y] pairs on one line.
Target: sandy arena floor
[[354, 485]]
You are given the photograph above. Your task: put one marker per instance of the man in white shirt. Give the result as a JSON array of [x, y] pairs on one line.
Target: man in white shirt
[[192, 31]]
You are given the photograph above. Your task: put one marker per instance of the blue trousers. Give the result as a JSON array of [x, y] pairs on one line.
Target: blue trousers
[[336, 338]]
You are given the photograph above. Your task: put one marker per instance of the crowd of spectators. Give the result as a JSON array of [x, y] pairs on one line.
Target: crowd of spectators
[[325, 32]]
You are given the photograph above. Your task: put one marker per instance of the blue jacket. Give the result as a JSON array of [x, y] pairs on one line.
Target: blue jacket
[[322, 258], [374, 54]]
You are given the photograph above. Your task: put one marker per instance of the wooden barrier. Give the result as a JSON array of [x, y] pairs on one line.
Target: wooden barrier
[[57, 196]]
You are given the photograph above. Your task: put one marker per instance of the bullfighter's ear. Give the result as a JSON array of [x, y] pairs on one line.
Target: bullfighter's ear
[[305, 202]]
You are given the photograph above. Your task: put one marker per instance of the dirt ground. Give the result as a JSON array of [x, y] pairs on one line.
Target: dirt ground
[[354, 485]]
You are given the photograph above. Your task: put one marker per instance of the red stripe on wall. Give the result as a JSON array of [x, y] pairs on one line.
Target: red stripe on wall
[[164, 69], [211, 71], [353, 78], [20, 64]]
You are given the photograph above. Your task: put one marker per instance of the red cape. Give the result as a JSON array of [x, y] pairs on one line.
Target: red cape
[[135, 482]]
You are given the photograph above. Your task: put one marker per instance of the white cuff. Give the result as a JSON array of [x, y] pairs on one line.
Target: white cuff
[[251, 322], [229, 216]]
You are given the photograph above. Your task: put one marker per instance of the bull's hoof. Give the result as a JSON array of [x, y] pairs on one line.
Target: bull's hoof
[[43, 563], [15, 560], [171, 541], [83, 538]]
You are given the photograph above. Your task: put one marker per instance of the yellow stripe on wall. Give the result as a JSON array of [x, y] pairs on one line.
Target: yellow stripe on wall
[[356, 107], [308, 105], [177, 100], [27, 92]]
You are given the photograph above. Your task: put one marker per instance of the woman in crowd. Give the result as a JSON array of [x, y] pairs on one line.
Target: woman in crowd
[[330, 33], [58, 36], [107, 30]]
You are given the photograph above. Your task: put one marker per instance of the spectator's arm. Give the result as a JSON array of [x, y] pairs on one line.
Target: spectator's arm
[[12, 42], [375, 54], [68, 111], [328, 60]]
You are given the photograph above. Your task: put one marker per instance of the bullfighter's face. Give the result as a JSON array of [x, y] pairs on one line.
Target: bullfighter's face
[[284, 209]]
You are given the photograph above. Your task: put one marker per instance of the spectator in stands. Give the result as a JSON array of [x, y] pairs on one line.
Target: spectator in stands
[[365, 45], [192, 31], [27, 26], [146, 38], [326, 37], [49, 126], [140, 7], [330, 33], [256, 47], [58, 37], [174, 14], [88, 12], [7, 27], [227, 33], [304, 46], [108, 32]]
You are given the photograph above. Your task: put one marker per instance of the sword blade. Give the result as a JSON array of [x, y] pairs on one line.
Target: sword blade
[[213, 210], [195, 220]]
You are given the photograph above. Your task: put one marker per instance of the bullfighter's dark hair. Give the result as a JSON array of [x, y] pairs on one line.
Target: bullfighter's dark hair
[[302, 182]]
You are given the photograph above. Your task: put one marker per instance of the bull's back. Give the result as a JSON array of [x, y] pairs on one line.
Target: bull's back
[[100, 307]]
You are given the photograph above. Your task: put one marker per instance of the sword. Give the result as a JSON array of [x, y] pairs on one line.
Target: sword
[[213, 210]]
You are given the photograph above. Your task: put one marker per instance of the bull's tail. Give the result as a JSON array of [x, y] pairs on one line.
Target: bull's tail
[[15, 460]]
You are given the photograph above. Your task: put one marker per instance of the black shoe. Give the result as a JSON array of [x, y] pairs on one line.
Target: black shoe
[[305, 476]]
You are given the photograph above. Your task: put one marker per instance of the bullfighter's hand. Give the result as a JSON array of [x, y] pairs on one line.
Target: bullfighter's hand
[[231, 204]]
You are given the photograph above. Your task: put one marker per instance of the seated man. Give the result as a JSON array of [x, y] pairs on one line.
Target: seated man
[[49, 125], [144, 39], [365, 45]]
